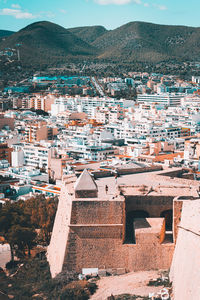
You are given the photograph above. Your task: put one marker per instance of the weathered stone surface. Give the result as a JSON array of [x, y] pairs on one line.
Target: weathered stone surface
[[185, 269], [149, 230], [85, 186], [90, 233], [60, 234]]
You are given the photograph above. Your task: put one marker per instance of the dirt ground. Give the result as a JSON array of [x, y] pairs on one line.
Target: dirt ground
[[134, 283]]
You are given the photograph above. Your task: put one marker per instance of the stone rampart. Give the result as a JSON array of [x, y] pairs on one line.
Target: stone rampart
[[91, 232], [185, 269], [126, 171], [96, 248], [60, 234]]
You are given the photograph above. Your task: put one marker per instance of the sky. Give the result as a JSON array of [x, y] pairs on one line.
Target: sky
[[14, 15]]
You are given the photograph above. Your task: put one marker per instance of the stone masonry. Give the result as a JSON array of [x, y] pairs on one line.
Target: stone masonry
[[90, 230]]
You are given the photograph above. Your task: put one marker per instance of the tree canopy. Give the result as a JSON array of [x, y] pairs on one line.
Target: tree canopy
[[21, 221]]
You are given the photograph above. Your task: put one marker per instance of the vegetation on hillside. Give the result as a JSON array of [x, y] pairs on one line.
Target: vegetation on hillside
[[46, 44], [149, 42], [88, 33], [31, 278], [4, 33]]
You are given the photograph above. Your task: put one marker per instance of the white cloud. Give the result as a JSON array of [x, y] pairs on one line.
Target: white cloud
[[45, 14], [49, 14], [15, 6], [16, 13], [162, 7], [63, 11], [117, 2], [123, 2]]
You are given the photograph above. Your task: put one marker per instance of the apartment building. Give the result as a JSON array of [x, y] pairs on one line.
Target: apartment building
[[35, 132], [89, 150], [8, 123], [33, 155], [168, 99], [42, 102], [5, 152], [109, 115]]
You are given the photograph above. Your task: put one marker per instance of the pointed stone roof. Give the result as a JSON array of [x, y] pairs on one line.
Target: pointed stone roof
[[85, 182]]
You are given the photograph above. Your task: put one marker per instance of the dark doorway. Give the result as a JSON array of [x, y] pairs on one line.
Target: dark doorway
[[167, 214], [130, 216]]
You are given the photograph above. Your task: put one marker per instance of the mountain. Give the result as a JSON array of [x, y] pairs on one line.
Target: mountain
[[46, 42], [88, 33], [150, 42], [5, 33]]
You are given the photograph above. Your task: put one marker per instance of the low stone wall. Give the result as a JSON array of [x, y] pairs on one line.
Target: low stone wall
[[127, 171], [174, 173], [102, 174], [175, 180]]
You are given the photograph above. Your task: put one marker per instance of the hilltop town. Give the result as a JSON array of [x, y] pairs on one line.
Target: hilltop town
[[122, 155]]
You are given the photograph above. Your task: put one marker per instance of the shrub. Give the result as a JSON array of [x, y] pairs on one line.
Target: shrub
[[92, 287], [11, 265], [78, 290]]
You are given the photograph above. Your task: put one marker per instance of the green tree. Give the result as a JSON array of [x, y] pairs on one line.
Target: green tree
[[42, 214], [16, 228], [21, 238]]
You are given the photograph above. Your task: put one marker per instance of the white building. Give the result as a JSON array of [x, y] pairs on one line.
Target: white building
[[61, 104], [165, 99], [33, 155], [196, 79], [92, 150], [17, 158]]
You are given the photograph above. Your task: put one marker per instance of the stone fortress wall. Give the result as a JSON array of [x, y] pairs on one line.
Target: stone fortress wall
[[60, 234], [103, 230], [185, 269]]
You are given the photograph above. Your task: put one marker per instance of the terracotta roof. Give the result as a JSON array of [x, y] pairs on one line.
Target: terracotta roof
[[170, 156]]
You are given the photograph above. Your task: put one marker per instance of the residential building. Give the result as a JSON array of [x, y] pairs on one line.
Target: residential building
[[165, 99]]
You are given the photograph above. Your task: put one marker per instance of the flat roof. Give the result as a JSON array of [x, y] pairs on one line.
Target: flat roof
[[155, 183]]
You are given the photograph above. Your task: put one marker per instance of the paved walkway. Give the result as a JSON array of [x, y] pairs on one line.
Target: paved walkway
[[134, 283]]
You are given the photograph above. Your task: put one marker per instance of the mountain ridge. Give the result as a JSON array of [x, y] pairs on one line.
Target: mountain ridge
[[5, 33], [134, 41], [89, 33], [45, 41], [148, 41]]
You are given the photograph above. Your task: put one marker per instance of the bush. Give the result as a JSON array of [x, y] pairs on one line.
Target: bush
[[78, 290], [92, 287], [2, 273], [31, 278], [12, 265]]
